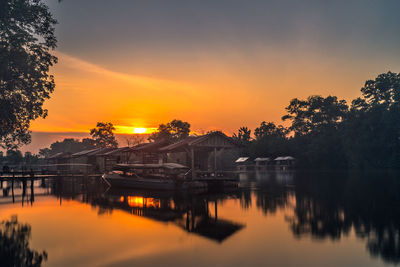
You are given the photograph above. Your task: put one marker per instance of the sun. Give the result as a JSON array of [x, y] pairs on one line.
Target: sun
[[139, 130]]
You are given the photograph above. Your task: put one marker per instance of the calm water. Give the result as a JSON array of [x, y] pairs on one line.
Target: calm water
[[273, 219]]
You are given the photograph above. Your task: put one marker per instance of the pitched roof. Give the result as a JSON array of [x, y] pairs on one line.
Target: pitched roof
[[241, 159], [262, 159], [92, 152], [114, 151], [85, 152], [285, 158], [59, 155], [153, 146], [195, 140], [183, 142]]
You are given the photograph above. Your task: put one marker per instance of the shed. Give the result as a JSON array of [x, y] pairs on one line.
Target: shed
[[198, 149]]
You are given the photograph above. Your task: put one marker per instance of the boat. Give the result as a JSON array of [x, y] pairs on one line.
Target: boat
[[161, 176]]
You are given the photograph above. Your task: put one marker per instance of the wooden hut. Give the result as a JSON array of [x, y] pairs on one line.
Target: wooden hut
[[59, 162], [284, 163], [195, 152], [263, 164], [147, 153], [244, 164]]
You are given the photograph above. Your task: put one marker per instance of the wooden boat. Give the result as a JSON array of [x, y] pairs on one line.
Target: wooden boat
[[162, 176]]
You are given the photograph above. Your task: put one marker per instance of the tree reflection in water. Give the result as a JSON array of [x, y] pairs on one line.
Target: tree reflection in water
[[329, 206], [14, 245], [323, 205]]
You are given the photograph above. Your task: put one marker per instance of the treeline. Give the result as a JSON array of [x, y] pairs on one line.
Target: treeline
[[15, 158], [101, 136], [328, 133]]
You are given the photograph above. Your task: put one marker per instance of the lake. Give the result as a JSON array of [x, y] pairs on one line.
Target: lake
[[272, 219]]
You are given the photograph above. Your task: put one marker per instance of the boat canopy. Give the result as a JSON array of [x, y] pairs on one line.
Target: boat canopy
[[170, 166]]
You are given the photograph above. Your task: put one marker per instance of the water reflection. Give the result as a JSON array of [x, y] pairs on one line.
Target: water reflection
[[14, 245], [323, 205], [331, 205], [197, 214]]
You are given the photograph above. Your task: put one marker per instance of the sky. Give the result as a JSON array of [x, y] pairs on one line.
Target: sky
[[219, 64]]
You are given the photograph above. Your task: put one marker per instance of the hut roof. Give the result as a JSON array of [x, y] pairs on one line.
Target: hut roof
[[114, 151], [203, 140], [149, 147], [285, 158], [59, 155], [262, 159], [241, 159], [85, 152], [92, 152]]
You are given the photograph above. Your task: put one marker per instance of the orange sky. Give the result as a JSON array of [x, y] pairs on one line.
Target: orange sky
[[218, 96], [219, 65]]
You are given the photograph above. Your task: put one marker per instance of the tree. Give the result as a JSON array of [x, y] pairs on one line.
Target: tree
[[14, 157], [68, 145], [103, 135], [172, 131], [317, 141], [269, 129], [14, 245], [384, 92], [26, 40], [315, 113], [372, 128], [133, 140], [243, 135], [270, 140]]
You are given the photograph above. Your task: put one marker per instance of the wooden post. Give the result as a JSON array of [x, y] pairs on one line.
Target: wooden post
[[12, 188], [192, 155], [216, 210], [215, 162], [187, 220], [32, 192]]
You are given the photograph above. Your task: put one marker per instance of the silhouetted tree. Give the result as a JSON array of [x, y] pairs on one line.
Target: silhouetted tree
[[315, 114], [103, 135], [26, 38], [68, 145], [243, 136], [14, 157], [317, 140], [172, 131], [14, 245], [270, 140], [372, 128]]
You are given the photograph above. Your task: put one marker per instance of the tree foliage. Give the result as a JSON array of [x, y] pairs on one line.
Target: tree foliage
[[103, 135], [14, 245], [26, 40], [325, 133], [243, 136], [315, 113], [68, 145], [172, 131]]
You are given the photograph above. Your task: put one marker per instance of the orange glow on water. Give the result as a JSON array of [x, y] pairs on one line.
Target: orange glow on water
[[140, 202]]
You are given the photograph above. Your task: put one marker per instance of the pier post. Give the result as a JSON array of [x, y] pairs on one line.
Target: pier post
[[12, 187], [215, 162], [192, 156], [216, 210]]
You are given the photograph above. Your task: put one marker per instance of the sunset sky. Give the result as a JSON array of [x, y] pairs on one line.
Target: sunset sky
[[216, 64]]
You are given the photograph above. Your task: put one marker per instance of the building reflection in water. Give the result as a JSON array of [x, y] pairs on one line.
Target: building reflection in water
[[321, 205], [190, 212]]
